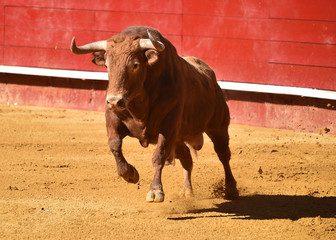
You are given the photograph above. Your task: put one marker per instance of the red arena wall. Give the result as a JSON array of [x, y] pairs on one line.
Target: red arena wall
[[288, 43]]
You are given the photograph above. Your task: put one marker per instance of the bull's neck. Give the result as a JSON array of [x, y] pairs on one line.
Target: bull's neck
[[138, 107]]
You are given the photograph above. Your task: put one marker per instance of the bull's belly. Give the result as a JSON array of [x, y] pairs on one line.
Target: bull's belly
[[146, 137], [148, 134]]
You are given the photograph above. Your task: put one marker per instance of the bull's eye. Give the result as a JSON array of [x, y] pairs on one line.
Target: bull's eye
[[135, 64]]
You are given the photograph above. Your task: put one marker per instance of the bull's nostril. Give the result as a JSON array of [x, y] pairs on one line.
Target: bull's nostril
[[108, 104], [115, 101], [121, 103]]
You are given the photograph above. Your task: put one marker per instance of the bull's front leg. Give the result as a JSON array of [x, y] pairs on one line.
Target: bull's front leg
[[124, 169], [162, 152], [116, 131]]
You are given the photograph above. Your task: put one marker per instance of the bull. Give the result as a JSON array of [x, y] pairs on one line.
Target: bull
[[160, 98]]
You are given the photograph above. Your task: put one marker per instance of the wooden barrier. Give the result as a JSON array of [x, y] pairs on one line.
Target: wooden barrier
[[269, 42]]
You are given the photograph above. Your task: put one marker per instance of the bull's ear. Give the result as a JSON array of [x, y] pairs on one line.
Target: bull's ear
[[99, 58], [152, 56]]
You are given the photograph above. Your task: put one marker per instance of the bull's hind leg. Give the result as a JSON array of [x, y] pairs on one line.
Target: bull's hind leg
[[220, 139], [182, 153]]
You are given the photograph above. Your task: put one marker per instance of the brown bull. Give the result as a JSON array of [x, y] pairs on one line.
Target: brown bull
[[160, 98]]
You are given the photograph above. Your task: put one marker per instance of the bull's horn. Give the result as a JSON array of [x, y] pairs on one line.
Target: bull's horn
[[151, 43], [88, 48]]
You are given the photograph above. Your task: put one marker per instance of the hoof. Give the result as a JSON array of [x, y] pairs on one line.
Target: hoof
[[231, 192], [155, 196], [131, 175], [186, 192]]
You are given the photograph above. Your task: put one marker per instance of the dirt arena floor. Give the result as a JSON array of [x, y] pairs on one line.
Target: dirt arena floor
[[58, 180]]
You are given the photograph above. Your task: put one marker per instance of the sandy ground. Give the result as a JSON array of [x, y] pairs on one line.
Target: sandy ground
[[58, 181]]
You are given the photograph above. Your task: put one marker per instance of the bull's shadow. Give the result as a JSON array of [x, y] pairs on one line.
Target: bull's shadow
[[275, 207]]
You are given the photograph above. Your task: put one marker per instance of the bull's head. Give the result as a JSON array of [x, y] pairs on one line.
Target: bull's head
[[127, 59]]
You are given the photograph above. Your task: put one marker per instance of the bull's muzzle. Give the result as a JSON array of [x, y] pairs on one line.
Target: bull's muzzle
[[115, 102]]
